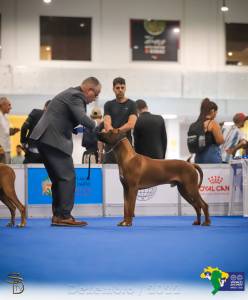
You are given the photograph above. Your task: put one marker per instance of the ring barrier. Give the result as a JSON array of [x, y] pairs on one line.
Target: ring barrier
[[224, 188]]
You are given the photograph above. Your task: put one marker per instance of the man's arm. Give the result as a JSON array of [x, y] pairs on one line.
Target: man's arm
[[79, 115], [130, 124], [242, 144], [107, 123], [24, 131]]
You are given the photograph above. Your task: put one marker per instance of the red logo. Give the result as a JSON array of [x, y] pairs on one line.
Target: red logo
[[215, 179]]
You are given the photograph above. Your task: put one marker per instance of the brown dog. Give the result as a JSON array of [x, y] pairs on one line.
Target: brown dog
[[8, 195], [141, 172]]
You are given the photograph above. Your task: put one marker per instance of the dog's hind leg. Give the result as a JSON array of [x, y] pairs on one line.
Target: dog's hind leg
[[11, 208], [188, 198], [204, 207], [9, 192], [199, 202]]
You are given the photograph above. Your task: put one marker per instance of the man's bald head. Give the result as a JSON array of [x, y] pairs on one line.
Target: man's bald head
[[91, 88], [5, 105]]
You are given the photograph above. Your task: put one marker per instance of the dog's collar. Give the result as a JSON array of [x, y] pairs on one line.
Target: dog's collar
[[115, 145]]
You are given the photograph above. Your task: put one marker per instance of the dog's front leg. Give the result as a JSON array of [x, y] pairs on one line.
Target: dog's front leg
[[130, 195]]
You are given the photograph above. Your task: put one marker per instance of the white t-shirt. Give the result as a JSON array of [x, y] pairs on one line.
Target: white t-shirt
[[232, 136], [4, 132]]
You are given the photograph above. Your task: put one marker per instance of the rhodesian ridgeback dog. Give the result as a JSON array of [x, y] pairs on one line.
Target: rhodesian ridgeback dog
[[8, 195], [141, 172]]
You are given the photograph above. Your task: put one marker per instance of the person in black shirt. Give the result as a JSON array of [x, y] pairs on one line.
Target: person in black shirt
[[32, 154], [149, 133], [119, 113]]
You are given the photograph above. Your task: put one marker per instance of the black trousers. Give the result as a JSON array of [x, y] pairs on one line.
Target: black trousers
[[60, 169], [32, 158]]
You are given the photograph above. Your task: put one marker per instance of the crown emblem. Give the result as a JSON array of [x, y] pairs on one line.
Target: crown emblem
[[215, 179]]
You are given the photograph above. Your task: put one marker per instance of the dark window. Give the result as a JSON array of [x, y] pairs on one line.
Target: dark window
[[155, 40], [237, 44], [65, 38]]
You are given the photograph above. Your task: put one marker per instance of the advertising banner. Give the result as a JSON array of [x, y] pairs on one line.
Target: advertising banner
[[216, 185], [87, 191], [155, 40]]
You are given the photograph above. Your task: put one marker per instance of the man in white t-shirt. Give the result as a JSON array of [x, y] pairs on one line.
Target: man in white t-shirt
[[5, 131], [232, 137]]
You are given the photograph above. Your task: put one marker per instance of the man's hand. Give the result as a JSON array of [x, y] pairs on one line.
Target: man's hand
[[230, 151], [13, 131]]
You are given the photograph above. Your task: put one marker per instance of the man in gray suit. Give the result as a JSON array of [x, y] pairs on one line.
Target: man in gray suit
[[53, 136]]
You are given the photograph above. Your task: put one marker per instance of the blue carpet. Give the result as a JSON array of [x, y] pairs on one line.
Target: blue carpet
[[155, 249]]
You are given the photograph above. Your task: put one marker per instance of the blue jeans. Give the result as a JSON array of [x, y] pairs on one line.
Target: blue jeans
[[211, 155]]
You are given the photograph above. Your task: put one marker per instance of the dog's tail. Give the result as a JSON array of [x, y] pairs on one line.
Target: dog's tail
[[198, 168], [189, 159]]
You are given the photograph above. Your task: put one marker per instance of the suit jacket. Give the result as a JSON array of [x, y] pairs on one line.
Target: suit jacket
[[66, 111], [150, 136], [28, 126]]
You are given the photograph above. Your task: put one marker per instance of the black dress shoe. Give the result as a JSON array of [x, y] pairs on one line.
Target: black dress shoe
[[71, 222]]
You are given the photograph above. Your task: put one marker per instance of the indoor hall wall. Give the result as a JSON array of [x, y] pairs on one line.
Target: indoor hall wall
[[168, 87]]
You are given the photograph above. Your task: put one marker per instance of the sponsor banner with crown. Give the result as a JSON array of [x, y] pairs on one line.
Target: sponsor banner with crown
[[216, 183]]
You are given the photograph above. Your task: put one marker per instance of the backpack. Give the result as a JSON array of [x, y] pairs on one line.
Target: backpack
[[89, 140], [196, 140]]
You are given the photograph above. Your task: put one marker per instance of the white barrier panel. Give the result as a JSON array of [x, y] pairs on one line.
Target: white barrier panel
[[216, 189], [240, 187], [20, 190], [159, 200]]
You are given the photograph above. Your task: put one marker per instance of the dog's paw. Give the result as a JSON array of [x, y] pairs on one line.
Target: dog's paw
[[196, 223], [125, 224], [20, 225], [206, 223], [10, 224]]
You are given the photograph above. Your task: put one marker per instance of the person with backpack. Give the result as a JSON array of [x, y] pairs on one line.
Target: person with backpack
[[205, 136]]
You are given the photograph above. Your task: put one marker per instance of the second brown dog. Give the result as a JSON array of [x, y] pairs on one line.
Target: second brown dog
[[141, 172], [8, 195]]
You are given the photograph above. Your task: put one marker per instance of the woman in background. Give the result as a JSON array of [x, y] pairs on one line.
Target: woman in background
[[214, 138]]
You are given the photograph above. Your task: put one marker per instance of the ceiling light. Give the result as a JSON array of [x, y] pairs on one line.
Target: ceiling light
[[230, 53], [82, 25], [47, 1], [169, 116], [224, 7], [228, 123], [176, 30]]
